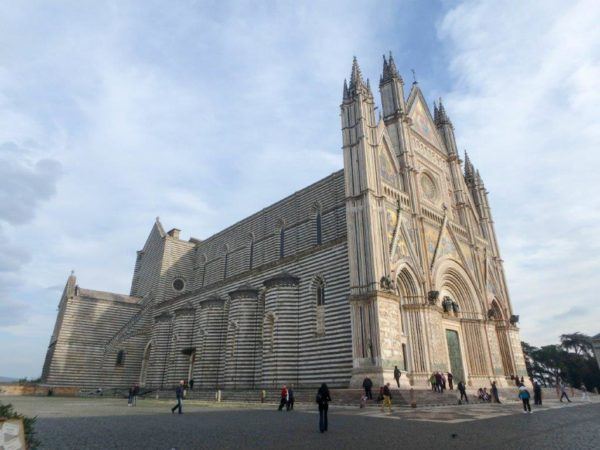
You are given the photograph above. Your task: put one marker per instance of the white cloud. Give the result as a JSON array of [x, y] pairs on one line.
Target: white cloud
[[525, 103]]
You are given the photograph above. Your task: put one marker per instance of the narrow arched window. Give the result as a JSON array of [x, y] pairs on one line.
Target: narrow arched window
[[120, 358], [320, 306], [251, 256], [319, 232], [281, 242]]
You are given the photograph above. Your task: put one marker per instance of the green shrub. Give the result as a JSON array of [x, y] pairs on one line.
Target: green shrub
[[7, 412]]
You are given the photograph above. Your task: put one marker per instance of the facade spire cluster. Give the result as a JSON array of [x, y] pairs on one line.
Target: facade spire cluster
[[439, 114], [390, 71], [356, 82]]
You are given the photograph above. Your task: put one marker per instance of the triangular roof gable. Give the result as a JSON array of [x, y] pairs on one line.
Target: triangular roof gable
[[389, 168], [448, 246], [157, 232], [422, 122]]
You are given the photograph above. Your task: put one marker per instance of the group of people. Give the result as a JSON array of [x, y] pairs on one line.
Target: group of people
[[287, 398], [491, 396], [440, 382], [385, 393]]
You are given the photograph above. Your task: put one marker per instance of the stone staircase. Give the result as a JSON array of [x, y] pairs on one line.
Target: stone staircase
[[346, 397]]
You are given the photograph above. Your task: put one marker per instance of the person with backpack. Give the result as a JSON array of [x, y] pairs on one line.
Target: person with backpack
[[323, 399], [524, 396], [387, 398]]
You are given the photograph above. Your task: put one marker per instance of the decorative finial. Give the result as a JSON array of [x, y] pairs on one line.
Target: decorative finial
[[72, 272], [414, 76]]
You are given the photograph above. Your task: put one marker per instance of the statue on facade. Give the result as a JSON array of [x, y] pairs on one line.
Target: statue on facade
[[387, 284], [433, 296]]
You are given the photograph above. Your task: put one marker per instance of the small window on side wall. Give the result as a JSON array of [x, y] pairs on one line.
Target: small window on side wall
[[120, 358], [320, 303]]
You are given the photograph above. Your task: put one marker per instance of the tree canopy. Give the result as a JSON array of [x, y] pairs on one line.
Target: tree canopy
[[572, 361]]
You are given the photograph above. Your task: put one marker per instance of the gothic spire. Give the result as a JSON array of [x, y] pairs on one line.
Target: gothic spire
[[478, 178], [469, 170], [356, 76], [389, 70], [442, 117], [436, 113]]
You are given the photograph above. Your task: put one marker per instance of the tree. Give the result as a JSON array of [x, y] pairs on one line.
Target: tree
[[580, 343]]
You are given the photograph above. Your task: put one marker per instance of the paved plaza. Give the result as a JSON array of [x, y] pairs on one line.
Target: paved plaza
[[106, 423]]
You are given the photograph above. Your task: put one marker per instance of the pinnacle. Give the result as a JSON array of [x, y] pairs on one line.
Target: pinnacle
[[356, 75], [442, 117], [346, 93], [389, 70], [468, 166]]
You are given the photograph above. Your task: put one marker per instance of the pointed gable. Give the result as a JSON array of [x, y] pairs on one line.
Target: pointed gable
[[422, 122]]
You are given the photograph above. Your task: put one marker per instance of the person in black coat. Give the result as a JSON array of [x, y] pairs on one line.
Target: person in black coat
[[323, 399], [290, 399], [463, 391], [179, 395], [537, 393], [397, 374], [368, 385]]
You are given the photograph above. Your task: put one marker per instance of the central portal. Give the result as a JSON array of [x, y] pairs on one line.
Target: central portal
[[455, 356]]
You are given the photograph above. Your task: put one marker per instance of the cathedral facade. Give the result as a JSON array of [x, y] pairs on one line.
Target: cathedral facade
[[391, 261]]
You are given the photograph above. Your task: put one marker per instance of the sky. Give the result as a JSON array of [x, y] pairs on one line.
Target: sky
[[114, 113]]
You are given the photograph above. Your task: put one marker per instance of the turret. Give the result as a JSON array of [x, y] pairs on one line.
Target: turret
[[445, 129], [391, 87], [361, 185]]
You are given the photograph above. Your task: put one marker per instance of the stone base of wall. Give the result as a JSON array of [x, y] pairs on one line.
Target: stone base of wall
[[38, 389]]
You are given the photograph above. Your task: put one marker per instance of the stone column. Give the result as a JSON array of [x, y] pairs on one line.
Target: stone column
[[181, 345], [210, 343], [242, 332], [161, 334], [280, 330]]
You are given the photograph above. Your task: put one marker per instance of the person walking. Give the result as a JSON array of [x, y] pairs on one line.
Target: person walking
[[387, 398], [537, 393], [284, 397], [290, 398], [191, 384], [323, 399], [397, 374], [524, 396], [563, 392], [443, 381], [179, 395], [495, 397], [450, 384], [463, 391], [130, 397], [584, 394], [368, 385], [136, 391]]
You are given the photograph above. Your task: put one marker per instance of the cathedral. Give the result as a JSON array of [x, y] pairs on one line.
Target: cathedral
[[391, 261]]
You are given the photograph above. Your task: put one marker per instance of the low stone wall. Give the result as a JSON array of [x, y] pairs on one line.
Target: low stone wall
[[38, 389]]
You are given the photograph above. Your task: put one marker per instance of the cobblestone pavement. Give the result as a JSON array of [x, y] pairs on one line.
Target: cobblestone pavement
[[74, 423]]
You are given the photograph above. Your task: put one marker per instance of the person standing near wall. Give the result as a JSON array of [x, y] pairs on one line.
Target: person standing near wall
[[323, 399], [397, 374], [368, 385], [537, 393]]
